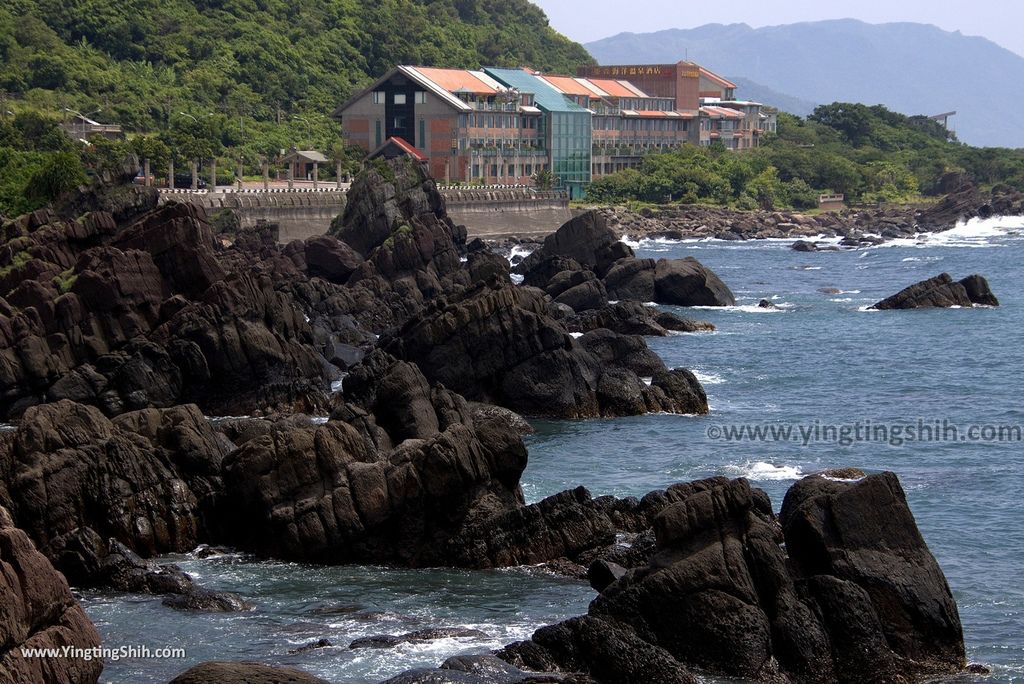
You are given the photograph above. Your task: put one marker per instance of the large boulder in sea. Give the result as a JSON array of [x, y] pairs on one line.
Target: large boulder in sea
[[682, 282], [39, 612], [860, 539], [941, 291], [586, 244], [853, 595], [502, 345], [585, 239]]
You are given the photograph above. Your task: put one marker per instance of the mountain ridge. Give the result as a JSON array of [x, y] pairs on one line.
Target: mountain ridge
[[909, 67]]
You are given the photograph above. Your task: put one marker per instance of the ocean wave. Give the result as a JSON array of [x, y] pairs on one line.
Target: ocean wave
[[707, 377], [762, 471], [973, 233], [781, 307], [519, 251]]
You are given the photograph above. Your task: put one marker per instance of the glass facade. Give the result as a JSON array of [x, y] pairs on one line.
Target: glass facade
[[565, 126], [570, 150]]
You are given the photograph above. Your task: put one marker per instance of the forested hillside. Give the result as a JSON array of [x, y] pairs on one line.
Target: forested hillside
[[869, 154], [236, 79], [144, 60]]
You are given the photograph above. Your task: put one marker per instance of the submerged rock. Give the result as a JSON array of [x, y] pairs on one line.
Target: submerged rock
[[473, 669], [941, 291], [218, 672], [431, 634]]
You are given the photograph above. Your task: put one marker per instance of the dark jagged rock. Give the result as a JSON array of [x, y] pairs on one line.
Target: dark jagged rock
[[330, 258], [143, 314], [219, 672], [147, 479], [585, 239], [407, 470], [431, 634], [863, 533], [858, 598], [941, 291], [683, 282], [633, 318], [804, 246], [766, 304], [384, 198], [978, 291], [687, 282], [501, 345], [579, 290], [473, 669], [39, 611], [605, 650], [586, 243], [560, 526], [206, 601], [603, 573], [311, 646]]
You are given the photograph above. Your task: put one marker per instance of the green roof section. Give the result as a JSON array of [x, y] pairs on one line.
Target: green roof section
[[546, 97]]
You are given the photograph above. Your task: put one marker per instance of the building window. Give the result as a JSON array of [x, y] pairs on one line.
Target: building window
[[378, 97], [494, 170], [421, 97], [378, 133], [476, 171], [423, 134], [399, 98], [399, 122]]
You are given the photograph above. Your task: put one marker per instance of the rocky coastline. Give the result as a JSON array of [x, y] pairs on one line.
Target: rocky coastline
[[855, 227], [358, 398]]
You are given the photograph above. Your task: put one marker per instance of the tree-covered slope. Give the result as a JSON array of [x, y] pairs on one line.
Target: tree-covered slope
[[144, 60]]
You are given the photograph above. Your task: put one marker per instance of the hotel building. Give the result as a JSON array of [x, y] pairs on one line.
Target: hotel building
[[502, 126]]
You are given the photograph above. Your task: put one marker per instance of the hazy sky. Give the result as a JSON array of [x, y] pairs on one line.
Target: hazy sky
[[998, 20]]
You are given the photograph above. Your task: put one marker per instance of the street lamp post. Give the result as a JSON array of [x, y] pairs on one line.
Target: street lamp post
[[195, 162]]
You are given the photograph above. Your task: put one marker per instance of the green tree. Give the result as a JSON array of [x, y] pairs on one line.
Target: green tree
[[61, 172]]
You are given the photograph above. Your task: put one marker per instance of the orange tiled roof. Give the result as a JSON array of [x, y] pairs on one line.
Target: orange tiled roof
[[454, 80], [616, 88], [569, 85]]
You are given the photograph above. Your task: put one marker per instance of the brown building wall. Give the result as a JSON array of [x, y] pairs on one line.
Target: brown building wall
[[680, 81]]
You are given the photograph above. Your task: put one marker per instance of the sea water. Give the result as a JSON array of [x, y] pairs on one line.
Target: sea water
[[820, 361]]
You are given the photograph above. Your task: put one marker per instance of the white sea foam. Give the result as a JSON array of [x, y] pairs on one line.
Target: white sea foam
[[575, 335], [516, 278], [976, 232], [708, 378], [337, 384], [318, 420], [647, 380], [748, 308], [521, 251], [840, 299], [761, 471]]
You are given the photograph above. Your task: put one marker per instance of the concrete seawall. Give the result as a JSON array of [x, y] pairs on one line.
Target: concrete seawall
[[489, 212]]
